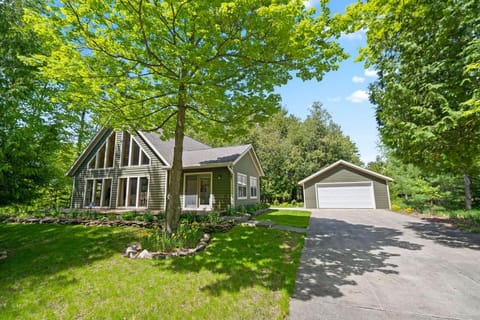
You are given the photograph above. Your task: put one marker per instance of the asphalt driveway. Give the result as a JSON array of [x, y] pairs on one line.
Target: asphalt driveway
[[375, 264]]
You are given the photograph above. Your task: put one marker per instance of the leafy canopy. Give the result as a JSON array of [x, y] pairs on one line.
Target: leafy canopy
[[134, 61], [427, 55]]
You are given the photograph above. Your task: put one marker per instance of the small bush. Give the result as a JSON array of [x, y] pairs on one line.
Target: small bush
[[276, 202], [395, 208], [148, 217], [187, 236], [408, 210], [128, 216], [112, 216]]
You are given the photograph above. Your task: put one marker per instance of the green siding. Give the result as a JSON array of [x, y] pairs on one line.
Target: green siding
[[246, 166], [345, 174], [221, 182], [155, 172]]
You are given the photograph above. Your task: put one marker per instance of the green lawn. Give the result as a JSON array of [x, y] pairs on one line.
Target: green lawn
[[77, 272], [292, 218]]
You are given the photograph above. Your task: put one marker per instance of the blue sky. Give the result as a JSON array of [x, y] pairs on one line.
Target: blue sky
[[343, 93]]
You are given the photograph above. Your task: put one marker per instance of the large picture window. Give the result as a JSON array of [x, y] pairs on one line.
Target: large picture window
[[97, 193], [105, 155], [253, 187], [241, 186], [133, 192], [132, 153]]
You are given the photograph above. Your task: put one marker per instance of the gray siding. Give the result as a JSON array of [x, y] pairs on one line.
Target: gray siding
[[156, 174], [246, 166], [344, 174]]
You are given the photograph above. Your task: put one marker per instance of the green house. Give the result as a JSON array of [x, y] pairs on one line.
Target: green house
[[130, 171]]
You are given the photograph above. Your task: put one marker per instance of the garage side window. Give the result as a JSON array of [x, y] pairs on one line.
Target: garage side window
[[241, 186], [253, 187]]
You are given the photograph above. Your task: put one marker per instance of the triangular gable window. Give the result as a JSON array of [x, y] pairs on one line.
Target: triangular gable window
[[132, 153], [105, 155]]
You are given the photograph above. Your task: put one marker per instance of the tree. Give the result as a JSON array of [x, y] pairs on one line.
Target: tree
[[205, 64], [291, 149], [425, 54], [28, 128]]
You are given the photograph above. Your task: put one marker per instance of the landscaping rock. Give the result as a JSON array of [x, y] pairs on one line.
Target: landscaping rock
[[145, 255], [3, 254]]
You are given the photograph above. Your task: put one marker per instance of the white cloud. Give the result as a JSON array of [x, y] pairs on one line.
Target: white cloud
[[358, 96], [334, 99], [371, 73], [357, 35], [308, 4], [357, 79]]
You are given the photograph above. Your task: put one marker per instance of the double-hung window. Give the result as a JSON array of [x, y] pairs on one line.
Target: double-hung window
[[241, 186], [253, 187]]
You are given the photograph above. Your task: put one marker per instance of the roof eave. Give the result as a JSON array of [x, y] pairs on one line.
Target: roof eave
[[347, 164], [73, 169]]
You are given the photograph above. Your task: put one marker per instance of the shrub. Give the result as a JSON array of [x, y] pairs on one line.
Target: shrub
[[187, 236], [276, 202], [148, 217], [395, 208], [112, 216], [293, 202], [408, 210], [128, 216]]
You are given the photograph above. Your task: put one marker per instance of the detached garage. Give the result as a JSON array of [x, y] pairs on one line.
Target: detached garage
[[345, 185]]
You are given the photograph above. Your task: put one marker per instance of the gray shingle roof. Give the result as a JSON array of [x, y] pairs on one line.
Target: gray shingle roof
[[213, 155], [195, 153]]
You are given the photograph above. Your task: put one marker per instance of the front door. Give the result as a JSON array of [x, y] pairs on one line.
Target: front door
[[197, 191]]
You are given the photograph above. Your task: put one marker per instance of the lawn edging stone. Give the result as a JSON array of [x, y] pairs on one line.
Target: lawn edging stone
[[134, 251]]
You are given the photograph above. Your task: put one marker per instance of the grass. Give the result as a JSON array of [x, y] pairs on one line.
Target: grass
[[77, 272], [294, 218]]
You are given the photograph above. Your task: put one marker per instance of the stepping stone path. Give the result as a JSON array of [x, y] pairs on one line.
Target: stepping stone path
[[273, 225]]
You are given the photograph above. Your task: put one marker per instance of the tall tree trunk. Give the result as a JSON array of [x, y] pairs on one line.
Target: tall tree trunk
[[467, 184], [81, 133], [173, 208]]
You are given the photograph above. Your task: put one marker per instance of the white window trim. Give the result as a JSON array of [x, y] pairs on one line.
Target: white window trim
[[210, 200], [238, 184], [93, 192], [106, 144], [128, 189], [256, 187], [132, 138]]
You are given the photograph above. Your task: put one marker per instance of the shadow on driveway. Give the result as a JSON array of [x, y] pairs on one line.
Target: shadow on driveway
[[446, 236], [335, 250]]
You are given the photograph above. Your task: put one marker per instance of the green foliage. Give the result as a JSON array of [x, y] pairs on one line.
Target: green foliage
[[426, 54], [128, 216], [413, 187], [187, 236], [36, 132]]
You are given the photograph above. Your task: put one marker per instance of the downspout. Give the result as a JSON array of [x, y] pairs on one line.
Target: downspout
[[232, 195], [304, 200]]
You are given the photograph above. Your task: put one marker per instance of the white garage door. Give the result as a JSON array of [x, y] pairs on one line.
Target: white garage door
[[345, 195]]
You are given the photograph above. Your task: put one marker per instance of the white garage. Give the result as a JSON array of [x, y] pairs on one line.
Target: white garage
[[345, 185], [345, 195]]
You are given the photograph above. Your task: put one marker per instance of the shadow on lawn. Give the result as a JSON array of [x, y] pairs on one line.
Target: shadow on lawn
[[39, 252], [335, 250], [444, 235], [246, 257]]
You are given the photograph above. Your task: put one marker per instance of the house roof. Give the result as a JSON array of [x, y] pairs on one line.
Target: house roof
[[195, 153], [164, 148], [348, 165], [226, 155]]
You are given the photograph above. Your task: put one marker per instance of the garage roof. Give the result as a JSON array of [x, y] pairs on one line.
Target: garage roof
[[348, 165]]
